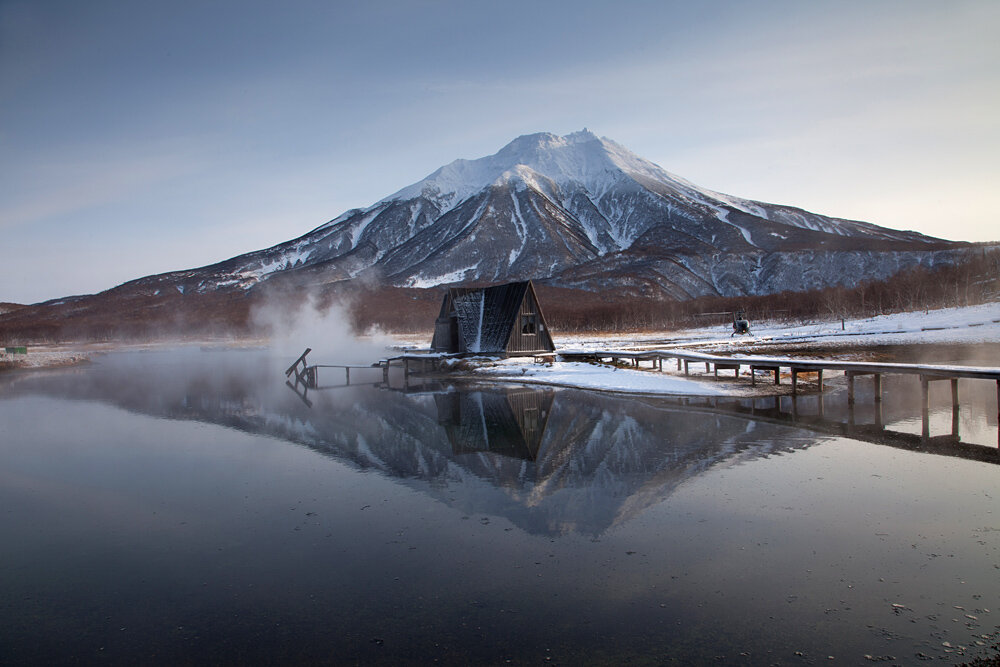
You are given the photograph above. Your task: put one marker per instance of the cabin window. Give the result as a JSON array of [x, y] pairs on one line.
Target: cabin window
[[528, 324]]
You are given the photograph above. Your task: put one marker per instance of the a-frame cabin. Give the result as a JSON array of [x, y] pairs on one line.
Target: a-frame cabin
[[501, 320]]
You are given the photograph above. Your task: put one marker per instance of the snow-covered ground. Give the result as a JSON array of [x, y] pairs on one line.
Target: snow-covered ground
[[600, 376], [970, 325], [967, 325]]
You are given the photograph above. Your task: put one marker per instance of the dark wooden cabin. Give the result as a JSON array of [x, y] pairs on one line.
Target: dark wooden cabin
[[503, 320]]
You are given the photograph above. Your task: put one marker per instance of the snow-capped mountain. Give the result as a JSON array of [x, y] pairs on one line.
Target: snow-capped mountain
[[578, 211]]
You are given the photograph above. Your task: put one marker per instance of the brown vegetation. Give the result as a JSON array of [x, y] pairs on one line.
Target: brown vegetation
[[130, 314], [974, 281]]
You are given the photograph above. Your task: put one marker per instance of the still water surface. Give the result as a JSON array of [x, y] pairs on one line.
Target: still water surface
[[187, 506]]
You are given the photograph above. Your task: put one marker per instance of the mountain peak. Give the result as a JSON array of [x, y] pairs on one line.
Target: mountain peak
[[579, 157]]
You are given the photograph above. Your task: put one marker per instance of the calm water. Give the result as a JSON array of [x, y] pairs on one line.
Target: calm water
[[189, 507]]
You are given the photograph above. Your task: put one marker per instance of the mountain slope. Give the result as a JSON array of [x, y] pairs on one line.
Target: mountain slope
[[583, 211]]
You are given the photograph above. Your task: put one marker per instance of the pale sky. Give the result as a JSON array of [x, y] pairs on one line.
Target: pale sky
[[138, 137]]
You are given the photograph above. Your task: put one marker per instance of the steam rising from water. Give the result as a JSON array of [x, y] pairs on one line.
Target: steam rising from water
[[294, 325]]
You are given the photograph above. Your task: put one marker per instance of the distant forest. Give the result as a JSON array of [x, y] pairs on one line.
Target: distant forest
[[121, 315], [973, 281]]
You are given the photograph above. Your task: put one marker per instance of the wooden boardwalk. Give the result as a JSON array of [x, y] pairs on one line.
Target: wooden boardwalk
[[307, 376], [795, 367]]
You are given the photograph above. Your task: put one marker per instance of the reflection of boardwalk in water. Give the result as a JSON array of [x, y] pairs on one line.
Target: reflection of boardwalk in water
[[815, 414]]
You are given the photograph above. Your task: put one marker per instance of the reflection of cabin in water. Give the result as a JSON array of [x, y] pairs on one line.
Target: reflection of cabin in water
[[510, 422], [504, 319]]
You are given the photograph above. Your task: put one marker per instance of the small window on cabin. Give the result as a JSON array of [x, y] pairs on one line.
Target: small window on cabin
[[528, 325]]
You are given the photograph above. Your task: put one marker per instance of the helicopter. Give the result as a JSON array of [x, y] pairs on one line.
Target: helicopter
[[741, 325]]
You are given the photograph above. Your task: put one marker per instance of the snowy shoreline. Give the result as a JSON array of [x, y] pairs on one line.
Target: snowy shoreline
[[973, 325]]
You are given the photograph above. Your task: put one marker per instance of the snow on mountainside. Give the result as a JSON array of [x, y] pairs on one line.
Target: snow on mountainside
[[578, 211]]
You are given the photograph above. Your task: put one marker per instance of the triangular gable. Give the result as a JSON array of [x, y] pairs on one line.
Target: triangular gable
[[544, 335], [486, 316], [484, 320]]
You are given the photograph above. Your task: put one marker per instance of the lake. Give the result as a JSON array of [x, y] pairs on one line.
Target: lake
[[186, 506]]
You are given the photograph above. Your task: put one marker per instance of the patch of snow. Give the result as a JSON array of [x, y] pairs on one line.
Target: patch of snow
[[340, 218], [522, 228], [362, 224], [456, 276], [966, 324], [591, 376]]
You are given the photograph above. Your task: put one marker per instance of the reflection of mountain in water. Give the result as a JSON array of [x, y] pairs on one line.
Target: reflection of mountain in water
[[549, 461]]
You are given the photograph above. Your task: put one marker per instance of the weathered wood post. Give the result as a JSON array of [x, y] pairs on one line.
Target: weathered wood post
[[348, 369], [954, 407], [795, 381], [878, 387], [850, 391], [925, 418], [679, 364], [820, 374], [686, 371], [777, 376]]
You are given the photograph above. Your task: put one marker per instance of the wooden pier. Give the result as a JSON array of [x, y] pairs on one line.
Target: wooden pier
[[306, 376], [796, 367]]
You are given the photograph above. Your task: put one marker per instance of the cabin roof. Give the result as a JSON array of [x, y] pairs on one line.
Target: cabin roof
[[486, 315]]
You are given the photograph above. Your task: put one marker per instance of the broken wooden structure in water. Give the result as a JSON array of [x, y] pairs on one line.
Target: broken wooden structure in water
[[306, 376], [927, 373]]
